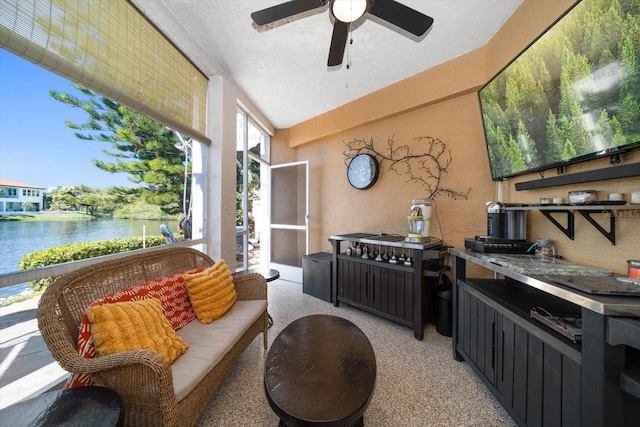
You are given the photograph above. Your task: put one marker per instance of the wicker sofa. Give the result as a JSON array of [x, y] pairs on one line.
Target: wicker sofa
[[144, 380]]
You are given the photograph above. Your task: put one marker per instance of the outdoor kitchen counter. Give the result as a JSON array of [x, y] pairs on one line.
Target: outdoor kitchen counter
[[554, 372], [532, 271]]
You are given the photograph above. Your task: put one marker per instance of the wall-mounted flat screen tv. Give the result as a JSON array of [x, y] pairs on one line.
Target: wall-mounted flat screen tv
[[572, 95]]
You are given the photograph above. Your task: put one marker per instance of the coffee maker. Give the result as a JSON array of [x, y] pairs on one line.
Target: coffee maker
[[505, 224], [496, 220], [506, 231]]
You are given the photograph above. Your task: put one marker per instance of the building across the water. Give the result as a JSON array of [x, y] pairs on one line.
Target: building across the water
[[18, 196]]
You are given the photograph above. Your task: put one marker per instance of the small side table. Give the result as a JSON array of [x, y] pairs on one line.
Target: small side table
[[269, 275], [91, 406]]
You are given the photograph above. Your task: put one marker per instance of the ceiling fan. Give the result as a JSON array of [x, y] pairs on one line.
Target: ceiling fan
[[345, 12]]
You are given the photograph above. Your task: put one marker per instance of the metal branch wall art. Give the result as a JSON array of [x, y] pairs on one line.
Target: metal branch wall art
[[425, 168]]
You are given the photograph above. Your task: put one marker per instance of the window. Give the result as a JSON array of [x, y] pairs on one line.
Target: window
[[156, 79], [252, 153]]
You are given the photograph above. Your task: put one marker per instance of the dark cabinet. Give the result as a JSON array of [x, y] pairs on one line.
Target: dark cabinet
[[393, 293], [383, 289], [353, 281], [400, 292], [477, 333], [534, 378], [539, 375]]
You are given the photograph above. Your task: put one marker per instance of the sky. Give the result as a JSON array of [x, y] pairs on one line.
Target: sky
[[36, 147]]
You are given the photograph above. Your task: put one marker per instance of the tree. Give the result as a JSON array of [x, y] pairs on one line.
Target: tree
[[555, 145], [95, 201], [629, 114], [569, 150], [46, 199], [253, 190], [64, 199], [527, 146], [142, 148], [514, 155]]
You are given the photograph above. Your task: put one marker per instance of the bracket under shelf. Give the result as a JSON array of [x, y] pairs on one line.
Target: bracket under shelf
[[569, 230], [611, 234]]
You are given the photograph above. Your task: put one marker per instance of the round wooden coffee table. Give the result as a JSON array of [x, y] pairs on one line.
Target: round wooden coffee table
[[320, 370]]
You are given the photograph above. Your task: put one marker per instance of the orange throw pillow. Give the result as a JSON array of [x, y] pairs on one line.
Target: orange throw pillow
[[211, 292], [134, 325]]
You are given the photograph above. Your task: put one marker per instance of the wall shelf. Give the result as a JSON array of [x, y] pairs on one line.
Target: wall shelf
[[585, 210], [612, 172]]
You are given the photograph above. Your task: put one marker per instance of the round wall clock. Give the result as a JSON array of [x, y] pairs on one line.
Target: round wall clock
[[363, 171]]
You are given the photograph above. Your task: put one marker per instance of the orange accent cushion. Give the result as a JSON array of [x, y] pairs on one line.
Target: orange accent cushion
[[171, 292], [134, 325], [211, 292]]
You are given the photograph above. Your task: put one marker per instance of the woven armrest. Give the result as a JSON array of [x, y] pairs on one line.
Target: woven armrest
[[135, 359], [250, 286]]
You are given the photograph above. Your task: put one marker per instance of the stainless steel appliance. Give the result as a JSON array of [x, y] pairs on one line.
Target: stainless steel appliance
[[496, 220], [516, 225], [506, 224], [506, 231]]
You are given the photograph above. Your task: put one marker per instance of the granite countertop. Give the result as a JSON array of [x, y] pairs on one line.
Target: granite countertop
[[533, 265]]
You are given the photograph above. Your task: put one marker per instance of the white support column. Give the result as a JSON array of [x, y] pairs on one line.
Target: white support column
[[199, 191], [221, 164]]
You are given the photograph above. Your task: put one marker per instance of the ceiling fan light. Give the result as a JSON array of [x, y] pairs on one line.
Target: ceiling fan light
[[348, 10]]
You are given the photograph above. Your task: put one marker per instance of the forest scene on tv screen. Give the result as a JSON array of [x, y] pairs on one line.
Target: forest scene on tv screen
[[574, 93]]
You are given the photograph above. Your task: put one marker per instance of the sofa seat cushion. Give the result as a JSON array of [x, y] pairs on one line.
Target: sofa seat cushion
[[209, 343]]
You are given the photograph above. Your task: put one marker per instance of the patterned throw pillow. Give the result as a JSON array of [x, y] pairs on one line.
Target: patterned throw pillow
[[212, 292], [171, 292], [134, 325]]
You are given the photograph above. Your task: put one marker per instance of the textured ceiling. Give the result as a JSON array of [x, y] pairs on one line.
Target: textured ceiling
[[283, 70]]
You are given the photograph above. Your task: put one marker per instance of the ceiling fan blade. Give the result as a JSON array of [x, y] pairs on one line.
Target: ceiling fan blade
[[401, 16], [338, 43], [285, 10]]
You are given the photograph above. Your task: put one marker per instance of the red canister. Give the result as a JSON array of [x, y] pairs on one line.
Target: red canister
[[634, 269]]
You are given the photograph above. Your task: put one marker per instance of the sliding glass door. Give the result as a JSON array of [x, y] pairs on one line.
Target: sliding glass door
[[252, 160]]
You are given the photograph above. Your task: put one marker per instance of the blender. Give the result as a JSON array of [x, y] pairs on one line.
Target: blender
[[415, 221]]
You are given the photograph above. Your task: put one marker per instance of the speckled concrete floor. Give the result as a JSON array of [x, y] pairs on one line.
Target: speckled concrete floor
[[418, 382]]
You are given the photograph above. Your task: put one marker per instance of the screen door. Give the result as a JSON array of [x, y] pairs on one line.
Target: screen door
[[289, 218]]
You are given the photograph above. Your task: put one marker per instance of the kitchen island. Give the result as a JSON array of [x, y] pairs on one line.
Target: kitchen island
[[579, 365]]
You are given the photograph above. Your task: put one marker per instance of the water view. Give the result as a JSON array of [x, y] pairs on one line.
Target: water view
[[18, 238]]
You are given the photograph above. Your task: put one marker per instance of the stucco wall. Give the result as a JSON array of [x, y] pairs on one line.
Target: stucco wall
[[442, 103]]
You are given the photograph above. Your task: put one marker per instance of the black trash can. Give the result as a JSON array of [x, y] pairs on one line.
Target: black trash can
[[444, 298]]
